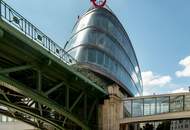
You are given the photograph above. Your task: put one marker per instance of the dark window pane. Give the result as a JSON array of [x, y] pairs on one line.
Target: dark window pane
[[100, 58], [91, 55], [106, 63]]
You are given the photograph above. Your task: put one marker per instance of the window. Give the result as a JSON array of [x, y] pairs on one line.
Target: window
[[100, 39], [91, 55], [162, 105], [176, 103], [127, 107], [100, 58], [149, 106], [106, 62], [187, 102], [82, 55], [137, 107], [111, 65]]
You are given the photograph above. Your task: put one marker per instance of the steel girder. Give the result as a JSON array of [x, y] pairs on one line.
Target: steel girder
[[42, 84], [36, 108]]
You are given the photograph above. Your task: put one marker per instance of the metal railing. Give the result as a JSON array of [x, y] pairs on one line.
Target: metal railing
[[13, 18], [10, 16]]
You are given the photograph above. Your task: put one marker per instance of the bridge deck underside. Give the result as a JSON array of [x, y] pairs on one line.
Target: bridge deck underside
[[40, 89]]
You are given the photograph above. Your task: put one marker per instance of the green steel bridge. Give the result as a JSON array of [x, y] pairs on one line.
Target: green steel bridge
[[39, 83]]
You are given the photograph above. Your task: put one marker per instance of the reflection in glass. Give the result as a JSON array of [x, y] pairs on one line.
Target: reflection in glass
[[100, 58], [187, 102], [127, 108], [105, 43], [176, 103], [162, 105], [137, 108], [149, 106], [92, 55]]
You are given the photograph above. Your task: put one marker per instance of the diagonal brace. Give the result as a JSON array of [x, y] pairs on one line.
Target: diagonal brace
[[36, 96], [15, 69], [74, 104], [54, 88]]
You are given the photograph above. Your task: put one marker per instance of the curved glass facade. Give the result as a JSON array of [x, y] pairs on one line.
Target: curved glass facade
[[100, 43]]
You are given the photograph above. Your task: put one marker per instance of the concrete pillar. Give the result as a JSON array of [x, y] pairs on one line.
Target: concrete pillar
[[111, 111]]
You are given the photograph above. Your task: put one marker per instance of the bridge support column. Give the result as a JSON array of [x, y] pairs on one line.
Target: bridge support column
[[111, 111]]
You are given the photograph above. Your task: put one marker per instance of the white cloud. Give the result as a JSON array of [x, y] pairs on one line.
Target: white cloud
[[180, 90], [150, 79], [186, 71]]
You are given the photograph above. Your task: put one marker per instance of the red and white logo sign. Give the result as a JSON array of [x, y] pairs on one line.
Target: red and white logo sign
[[99, 3]]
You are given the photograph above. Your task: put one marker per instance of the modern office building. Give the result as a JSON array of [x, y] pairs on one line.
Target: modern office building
[[100, 43]]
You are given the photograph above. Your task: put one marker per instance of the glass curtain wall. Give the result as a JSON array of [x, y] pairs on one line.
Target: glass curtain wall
[[157, 105], [100, 40]]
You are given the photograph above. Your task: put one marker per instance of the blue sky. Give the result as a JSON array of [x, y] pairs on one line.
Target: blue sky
[[158, 29]]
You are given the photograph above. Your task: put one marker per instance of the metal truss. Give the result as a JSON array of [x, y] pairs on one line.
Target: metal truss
[[60, 106], [39, 83]]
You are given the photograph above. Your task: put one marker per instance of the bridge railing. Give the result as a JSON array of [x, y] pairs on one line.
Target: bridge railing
[[156, 104], [10, 16]]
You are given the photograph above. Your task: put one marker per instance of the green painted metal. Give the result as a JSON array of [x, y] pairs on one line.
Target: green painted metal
[[13, 107], [36, 96], [54, 88], [14, 69], [45, 61], [39, 82], [28, 42], [67, 97], [74, 104], [76, 101], [92, 109], [41, 45]]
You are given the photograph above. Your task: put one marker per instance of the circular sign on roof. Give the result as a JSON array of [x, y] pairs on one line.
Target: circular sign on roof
[[99, 3]]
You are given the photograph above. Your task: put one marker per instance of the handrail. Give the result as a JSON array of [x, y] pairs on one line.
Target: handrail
[[10, 16]]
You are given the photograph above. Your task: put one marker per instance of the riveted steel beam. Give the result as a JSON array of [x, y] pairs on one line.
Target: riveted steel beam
[[85, 106], [92, 109], [67, 97], [28, 121], [27, 112], [15, 69], [7, 99], [76, 101], [54, 88], [40, 98], [39, 80], [74, 104]]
